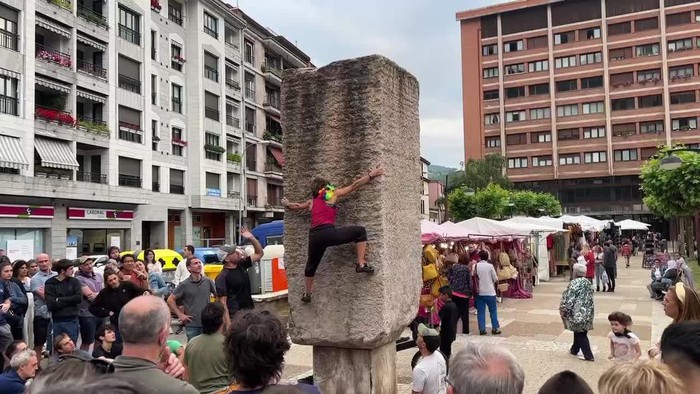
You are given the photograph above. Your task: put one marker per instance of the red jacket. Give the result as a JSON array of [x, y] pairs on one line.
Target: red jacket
[[590, 264]]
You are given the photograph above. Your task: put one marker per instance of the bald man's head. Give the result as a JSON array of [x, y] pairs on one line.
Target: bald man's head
[[43, 261], [145, 320]]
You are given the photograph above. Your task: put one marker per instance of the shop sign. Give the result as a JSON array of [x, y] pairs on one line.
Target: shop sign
[[26, 211], [99, 214], [213, 192]]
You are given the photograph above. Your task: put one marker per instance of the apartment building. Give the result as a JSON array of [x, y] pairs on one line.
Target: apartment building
[[425, 192], [137, 123], [577, 94]]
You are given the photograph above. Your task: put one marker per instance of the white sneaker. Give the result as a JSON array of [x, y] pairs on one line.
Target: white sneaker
[[499, 299]]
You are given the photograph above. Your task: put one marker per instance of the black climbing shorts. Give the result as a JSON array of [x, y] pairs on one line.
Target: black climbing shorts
[[322, 237]]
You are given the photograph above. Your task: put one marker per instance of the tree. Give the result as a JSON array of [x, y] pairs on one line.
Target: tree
[[478, 174], [495, 202]]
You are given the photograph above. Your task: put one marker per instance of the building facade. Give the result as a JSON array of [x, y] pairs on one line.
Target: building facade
[[425, 192], [577, 94], [436, 194], [137, 123]]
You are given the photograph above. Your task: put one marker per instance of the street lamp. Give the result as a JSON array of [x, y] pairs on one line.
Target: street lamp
[[673, 162]]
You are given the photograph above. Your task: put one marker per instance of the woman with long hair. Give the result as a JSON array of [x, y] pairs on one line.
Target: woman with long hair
[[681, 304], [153, 265], [20, 274]]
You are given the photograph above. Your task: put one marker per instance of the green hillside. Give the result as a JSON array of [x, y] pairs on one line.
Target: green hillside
[[437, 173]]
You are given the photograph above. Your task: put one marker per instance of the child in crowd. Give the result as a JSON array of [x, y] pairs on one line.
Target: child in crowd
[[448, 321], [624, 345]]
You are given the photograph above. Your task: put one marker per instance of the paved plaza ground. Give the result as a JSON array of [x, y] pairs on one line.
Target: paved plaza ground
[[533, 331]]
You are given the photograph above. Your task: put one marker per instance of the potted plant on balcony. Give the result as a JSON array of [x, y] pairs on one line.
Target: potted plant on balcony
[[179, 59], [214, 148], [179, 141], [155, 5], [65, 4], [234, 158]]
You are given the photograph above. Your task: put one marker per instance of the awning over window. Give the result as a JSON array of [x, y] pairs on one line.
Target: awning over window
[[52, 26], [12, 154], [91, 97], [93, 43], [56, 154], [51, 85], [10, 73], [277, 153]]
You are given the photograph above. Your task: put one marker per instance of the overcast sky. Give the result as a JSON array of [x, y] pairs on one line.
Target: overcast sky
[[420, 35]]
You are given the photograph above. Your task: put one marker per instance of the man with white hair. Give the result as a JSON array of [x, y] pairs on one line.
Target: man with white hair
[[481, 368], [23, 367]]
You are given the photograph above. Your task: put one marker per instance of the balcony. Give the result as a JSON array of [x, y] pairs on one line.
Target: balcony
[[155, 5], [233, 84], [130, 132], [65, 4], [252, 201], [211, 113], [92, 16], [234, 194], [130, 35], [274, 137], [155, 186], [175, 16], [211, 32], [130, 181], [272, 73], [9, 40], [250, 128], [130, 84], [177, 189], [233, 121], [273, 168], [94, 126], [250, 94], [92, 69], [91, 177], [272, 104], [52, 115], [274, 202], [9, 105], [211, 73], [53, 56]]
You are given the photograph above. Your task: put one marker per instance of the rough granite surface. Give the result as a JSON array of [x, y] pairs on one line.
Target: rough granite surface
[[339, 121]]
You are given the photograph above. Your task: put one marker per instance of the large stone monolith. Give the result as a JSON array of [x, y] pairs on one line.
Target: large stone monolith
[[339, 121]]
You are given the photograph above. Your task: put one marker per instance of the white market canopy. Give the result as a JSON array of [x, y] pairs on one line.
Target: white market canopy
[[487, 229], [543, 224], [629, 224], [430, 232], [586, 223]]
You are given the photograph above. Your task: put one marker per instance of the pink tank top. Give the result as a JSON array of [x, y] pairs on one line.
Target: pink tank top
[[322, 214]]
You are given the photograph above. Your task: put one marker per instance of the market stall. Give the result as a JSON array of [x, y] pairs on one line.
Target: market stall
[[541, 229], [632, 225]]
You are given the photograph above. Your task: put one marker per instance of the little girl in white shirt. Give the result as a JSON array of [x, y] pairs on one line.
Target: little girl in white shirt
[[624, 345]]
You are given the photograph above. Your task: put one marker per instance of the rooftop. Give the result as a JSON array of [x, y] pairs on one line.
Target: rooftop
[[499, 8]]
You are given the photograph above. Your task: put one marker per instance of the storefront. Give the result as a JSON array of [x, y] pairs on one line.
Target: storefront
[[93, 231], [24, 229]]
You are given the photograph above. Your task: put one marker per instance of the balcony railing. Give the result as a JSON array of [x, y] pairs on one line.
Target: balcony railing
[[275, 202], [130, 84], [177, 106], [9, 40], [211, 32], [53, 56], [130, 132], [272, 101], [55, 115], [272, 167], [174, 16], [65, 4], [233, 84], [129, 180], [233, 121], [9, 105], [211, 73], [250, 128], [129, 34], [252, 201], [92, 16], [92, 69], [91, 177], [211, 113], [177, 189], [155, 186], [274, 70], [91, 125], [250, 93], [234, 194], [272, 136]]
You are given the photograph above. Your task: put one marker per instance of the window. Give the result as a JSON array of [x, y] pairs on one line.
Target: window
[[493, 142], [596, 107], [589, 34], [648, 153], [515, 69], [515, 92], [591, 58], [176, 57], [680, 18], [231, 36], [620, 54], [647, 50], [516, 139], [568, 134], [542, 161], [650, 101], [8, 28], [211, 143], [622, 104], [569, 159], [624, 129], [489, 50], [211, 67], [680, 45], [154, 44], [154, 89], [491, 72], [490, 119], [568, 85], [176, 141], [130, 125], [619, 28], [681, 71], [567, 110], [540, 65], [564, 38], [154, 135], [175, 12], [515, 116], [9, 103], [646, 24], [540, 88], [212, 180], [249, 52], [537, 42], [626, 155], [543, 136], [565, 62], [684, 124], [683, 97], [211, 25], [211, 106], [592, 82], [540, 113], [648, 75], [177, 181], [491, 95], [517, 162], [593, 132], [651, 127], [622, 78], [595, 157], [129, 26], [177, 98], [513, 46]]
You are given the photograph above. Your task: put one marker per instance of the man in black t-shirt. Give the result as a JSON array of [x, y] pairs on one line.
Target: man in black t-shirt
[[232, 283]]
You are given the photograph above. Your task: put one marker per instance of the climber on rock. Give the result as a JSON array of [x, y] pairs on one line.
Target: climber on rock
[[323, 232]]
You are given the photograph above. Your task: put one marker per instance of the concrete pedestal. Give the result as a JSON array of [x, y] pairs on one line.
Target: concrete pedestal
[[355, 371]]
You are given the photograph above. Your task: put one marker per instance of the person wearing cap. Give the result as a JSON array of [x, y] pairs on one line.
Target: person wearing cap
[[233, 287], [91, 285], [577, 311], [430, 372], [63, 297]]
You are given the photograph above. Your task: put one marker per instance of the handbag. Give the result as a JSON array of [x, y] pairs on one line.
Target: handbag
[[436, 285], [503, 287], [430, 272]]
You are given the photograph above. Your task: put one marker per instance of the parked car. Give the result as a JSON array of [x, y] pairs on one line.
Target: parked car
[[271, 233], [169, 257]]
